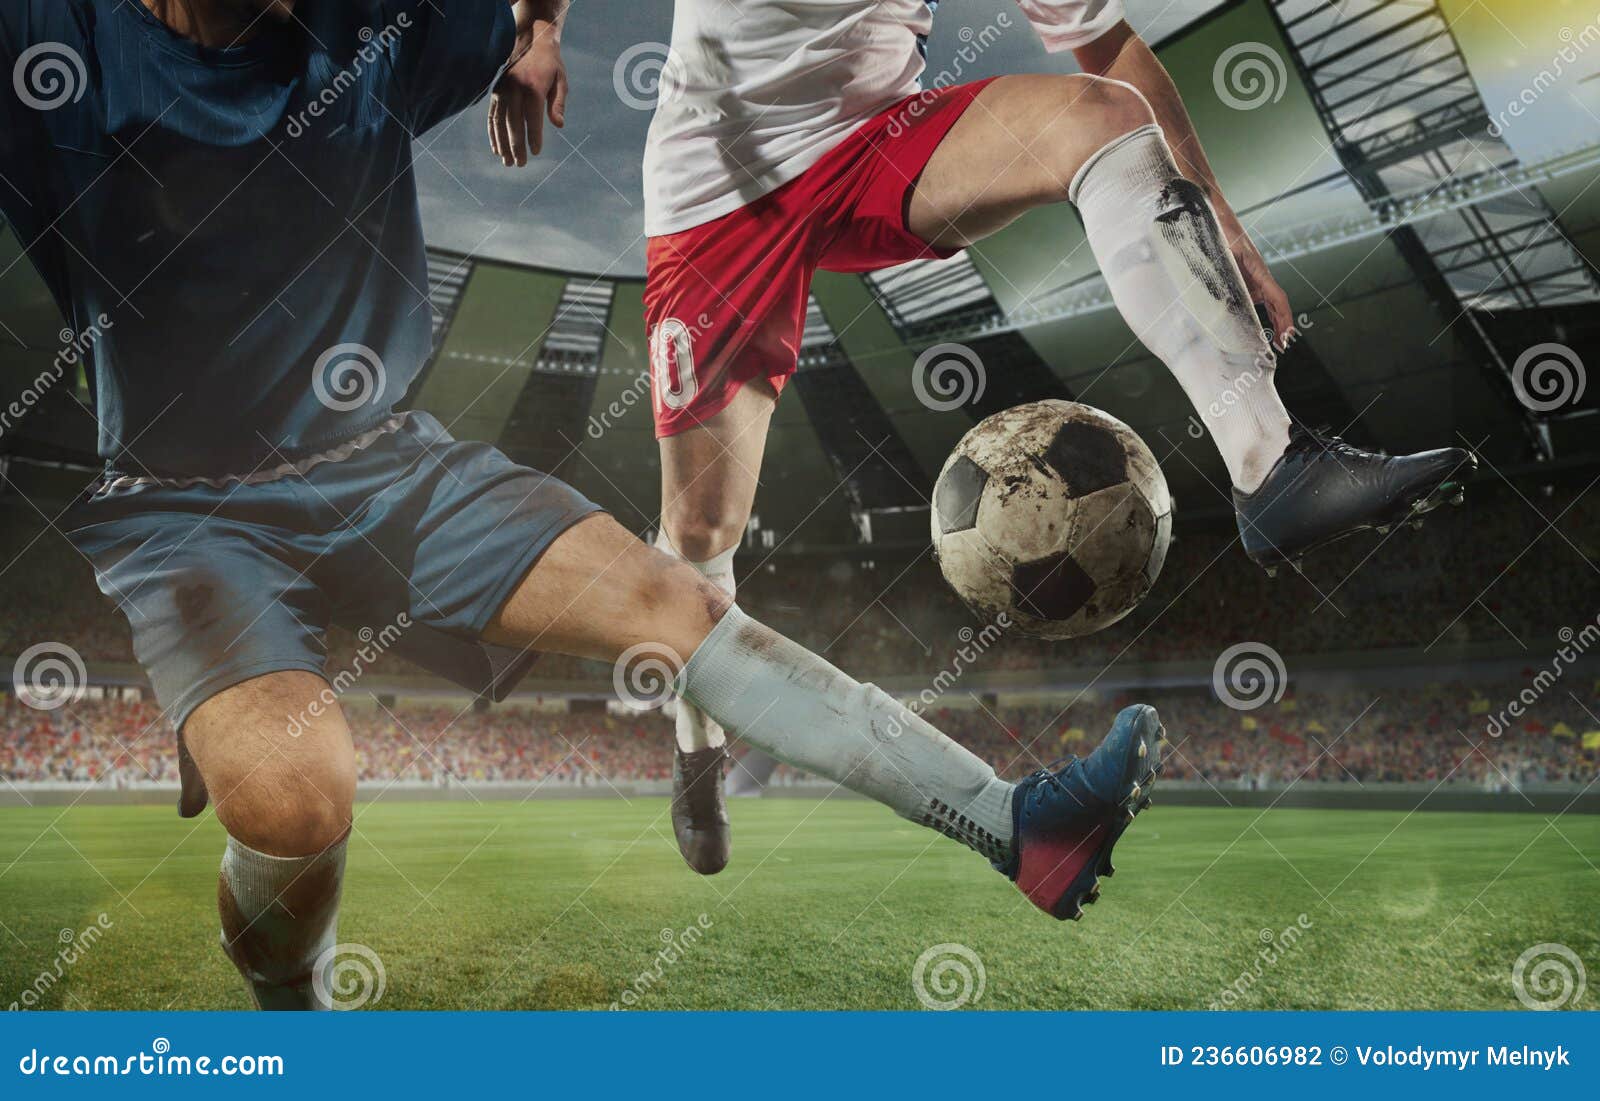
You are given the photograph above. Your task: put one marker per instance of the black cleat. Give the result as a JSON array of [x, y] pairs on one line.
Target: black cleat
[[1324, 489], [699, 813]]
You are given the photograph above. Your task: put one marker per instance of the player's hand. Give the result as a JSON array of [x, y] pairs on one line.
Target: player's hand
[[1264, 289], [533, 88]]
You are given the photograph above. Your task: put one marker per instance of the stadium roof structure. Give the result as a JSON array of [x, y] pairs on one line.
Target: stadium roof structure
[[1425, 245]]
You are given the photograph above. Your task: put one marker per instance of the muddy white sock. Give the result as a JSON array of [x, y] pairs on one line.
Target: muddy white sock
[[279, 914], [1171, 274], [695, 730], [783, 699]]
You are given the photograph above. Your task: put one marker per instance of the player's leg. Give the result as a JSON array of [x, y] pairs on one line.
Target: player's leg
[[597, 592], [709, 475], [280, 769], [1023, 143], [1032, 140], [725, 306], [228, 626]]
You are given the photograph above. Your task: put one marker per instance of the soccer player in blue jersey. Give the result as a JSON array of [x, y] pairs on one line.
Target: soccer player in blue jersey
[[224, 189]]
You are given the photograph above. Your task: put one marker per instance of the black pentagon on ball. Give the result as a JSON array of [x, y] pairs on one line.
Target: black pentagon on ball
[[956, 497], [1052, 588], [1087, 457]]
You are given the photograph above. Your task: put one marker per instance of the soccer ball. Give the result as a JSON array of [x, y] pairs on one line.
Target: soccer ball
[[1053, 514]]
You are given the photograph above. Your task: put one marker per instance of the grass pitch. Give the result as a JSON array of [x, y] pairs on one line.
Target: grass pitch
[[827, 905]]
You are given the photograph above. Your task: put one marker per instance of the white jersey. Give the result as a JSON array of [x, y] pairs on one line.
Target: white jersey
[[754, 92]]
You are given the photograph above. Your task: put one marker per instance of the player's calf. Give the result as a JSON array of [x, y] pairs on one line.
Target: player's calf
[[1052, 834]]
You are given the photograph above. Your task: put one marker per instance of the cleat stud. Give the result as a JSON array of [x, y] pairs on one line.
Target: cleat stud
[[1385, 529], [1134, 794], [1272, 571], [1143, 749], [1416, 525]]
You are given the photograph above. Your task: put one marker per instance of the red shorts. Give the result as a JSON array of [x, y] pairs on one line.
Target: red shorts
[[725, 302]]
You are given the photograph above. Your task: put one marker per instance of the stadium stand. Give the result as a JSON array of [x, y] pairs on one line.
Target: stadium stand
[[1432, 733]]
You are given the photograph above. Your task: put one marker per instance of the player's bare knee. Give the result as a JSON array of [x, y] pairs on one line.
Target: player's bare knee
[[701, 532], [289, 803], [673, 605], [288, 811], [1094, 111], [1109, 107]]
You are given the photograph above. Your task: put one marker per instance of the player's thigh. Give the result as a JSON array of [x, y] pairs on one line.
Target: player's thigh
[[276, 756], [709, 473], [598, 592], [725, 304], [1017, 147]]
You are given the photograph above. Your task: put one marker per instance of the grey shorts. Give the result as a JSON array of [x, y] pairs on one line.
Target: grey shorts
[[407, 536]]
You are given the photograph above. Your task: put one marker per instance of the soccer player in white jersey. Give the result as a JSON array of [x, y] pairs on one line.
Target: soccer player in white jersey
[[792, 137]]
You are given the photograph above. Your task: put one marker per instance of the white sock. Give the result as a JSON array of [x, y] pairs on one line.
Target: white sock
[[783, 699], [1178, 287], [695, 729], [279, 915]]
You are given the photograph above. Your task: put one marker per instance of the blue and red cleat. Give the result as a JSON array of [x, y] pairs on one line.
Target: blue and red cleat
[[1068, 820]]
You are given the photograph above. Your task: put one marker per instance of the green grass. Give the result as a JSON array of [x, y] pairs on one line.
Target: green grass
[[557, 905]]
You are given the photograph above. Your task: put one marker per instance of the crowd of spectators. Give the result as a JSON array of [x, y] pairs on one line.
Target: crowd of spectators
[[1428, 733]]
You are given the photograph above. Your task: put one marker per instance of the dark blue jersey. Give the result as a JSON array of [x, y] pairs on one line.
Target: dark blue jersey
[[244, 219]]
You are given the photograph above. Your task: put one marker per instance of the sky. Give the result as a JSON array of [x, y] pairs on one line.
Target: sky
[[580, 207]]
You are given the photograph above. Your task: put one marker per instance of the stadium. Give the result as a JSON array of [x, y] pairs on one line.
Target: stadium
[[1380, 785]]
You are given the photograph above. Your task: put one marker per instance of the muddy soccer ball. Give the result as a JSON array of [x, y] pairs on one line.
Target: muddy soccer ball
[[1053, 514]]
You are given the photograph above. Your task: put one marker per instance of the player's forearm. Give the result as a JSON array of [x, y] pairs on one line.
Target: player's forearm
[[1127, 58]]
